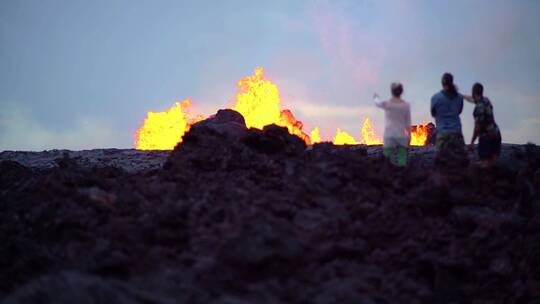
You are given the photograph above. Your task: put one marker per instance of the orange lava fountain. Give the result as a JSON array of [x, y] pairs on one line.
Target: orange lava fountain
[[315, 136], [369, 137], [419, 135], [343, 138], [163, 130], [259, 102]]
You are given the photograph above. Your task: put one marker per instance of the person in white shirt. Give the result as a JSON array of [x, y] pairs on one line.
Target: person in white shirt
[[397, 125]]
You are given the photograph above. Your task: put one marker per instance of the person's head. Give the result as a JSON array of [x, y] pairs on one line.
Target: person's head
[[397, 89], [477, 91], [448, 85]]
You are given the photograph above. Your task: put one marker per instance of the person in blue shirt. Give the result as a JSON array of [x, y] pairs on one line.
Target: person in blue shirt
[[446, 106]]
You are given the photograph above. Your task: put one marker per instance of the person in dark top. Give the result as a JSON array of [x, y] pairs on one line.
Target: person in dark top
[[485, 128], [446, 106]]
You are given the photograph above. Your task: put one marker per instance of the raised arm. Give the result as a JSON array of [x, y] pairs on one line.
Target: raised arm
[[377, 102]]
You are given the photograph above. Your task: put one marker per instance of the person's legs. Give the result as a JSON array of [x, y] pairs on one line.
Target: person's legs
[[457, 142], [489, 149], [493, 155], [483, 151], [390, 154], [395, 150], [388, 151], [451, 150], [497, 148], [441, 142], [401, 156]]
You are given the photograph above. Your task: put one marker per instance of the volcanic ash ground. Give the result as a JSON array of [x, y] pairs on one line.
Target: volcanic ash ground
[[253, 216]]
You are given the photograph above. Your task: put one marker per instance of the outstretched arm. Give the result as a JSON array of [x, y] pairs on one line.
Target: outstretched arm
[[468, 98], [376, 100]]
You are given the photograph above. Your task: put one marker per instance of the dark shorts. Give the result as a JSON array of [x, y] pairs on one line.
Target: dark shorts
[[489, 146]]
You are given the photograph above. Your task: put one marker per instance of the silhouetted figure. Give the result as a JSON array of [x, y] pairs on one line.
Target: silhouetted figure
[[397, 125], [485, 127], [446, 106]]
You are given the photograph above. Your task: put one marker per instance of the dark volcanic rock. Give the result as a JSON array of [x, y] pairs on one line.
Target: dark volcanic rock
[[71, 287], [258, 218], [226, 122], [13, 173], [274, 139]]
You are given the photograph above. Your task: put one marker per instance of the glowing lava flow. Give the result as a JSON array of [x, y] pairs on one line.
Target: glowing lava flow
[[163, 130], [259, 102]]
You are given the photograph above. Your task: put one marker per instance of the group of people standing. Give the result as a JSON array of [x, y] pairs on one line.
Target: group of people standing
[[446, 107]]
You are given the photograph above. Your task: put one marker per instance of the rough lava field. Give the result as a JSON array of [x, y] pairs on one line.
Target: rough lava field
[[237, 215]]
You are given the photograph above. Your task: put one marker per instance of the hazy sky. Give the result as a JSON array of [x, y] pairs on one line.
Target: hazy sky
[[83, 74]]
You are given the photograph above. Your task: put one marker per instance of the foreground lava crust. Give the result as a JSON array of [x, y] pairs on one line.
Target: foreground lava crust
[[240, 215]]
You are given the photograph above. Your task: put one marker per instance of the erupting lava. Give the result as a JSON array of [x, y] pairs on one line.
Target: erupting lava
[[315, 136], [419, 135], [343, 138], [163, 130], [368, 134], [259, 102]]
